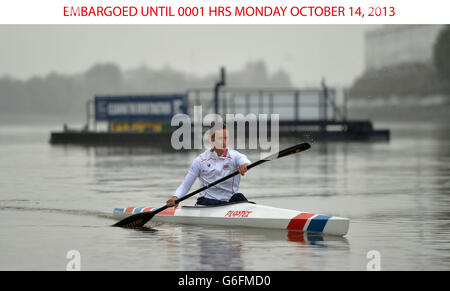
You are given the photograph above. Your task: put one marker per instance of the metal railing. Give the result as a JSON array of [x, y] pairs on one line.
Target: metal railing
[[290, 104]]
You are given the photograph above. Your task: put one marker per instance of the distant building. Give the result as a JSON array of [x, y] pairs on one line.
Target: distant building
[[392, 45]]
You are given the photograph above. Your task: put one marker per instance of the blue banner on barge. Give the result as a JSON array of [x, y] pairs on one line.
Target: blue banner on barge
[[139, 108]]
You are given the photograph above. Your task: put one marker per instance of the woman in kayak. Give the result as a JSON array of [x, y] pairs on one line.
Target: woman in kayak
[[212, 165]]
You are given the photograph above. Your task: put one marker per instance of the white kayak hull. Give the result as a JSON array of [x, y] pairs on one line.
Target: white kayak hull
[[245, 215]]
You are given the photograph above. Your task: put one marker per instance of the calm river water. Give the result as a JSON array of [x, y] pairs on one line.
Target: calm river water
[[54, 199]]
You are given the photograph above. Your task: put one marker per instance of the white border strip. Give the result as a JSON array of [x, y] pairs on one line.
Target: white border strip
[[52, 12]]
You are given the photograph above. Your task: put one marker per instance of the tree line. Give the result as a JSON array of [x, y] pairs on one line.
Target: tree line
[[62, 95]]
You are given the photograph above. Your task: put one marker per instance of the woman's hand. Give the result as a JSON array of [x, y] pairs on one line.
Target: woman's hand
[[171, 202], [242, 169]]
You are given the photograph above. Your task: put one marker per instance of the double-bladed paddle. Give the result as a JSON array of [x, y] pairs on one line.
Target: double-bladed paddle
[[139, 219]]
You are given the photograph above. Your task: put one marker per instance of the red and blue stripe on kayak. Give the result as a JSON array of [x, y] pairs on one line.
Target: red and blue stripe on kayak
[[134, 210]]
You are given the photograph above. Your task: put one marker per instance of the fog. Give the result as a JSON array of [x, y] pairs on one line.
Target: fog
[[305, 52], [55, 69]]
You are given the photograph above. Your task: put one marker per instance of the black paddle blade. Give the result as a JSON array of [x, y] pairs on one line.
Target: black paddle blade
[[135, 220], [294, 149], [286, 152]]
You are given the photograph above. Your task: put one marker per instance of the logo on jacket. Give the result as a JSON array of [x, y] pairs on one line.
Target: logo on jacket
[[226, 167]]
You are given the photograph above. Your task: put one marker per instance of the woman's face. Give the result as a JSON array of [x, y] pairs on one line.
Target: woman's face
[[220, 139]]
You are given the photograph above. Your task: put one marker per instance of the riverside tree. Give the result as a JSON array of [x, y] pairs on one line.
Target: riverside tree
[[442, 53]]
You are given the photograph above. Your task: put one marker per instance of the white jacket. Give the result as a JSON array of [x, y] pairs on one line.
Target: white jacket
[[208, 167]]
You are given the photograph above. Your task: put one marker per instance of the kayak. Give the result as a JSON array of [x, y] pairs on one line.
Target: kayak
[[245, 214]]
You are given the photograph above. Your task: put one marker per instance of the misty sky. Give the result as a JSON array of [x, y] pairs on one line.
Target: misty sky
[[305, 52]]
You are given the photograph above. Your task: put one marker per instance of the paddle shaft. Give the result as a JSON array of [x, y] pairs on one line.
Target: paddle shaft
[[140, 219], [281, 154]]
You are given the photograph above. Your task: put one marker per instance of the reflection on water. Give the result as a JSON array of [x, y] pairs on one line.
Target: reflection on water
[[221, 248], [396, 195], [218, 255]]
